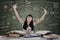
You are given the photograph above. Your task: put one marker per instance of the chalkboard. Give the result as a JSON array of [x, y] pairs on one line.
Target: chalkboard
[[24, 7]]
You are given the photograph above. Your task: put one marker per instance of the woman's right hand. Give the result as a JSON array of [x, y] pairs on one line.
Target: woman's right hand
[[14, 6]]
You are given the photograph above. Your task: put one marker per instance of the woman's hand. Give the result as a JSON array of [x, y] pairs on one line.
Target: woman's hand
[[45, 11], [14, 6]]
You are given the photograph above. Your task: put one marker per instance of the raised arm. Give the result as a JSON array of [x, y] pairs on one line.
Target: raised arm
[[17, 15], [42, 18]]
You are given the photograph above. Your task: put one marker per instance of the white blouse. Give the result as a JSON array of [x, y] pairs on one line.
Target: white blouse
[[28, 31]]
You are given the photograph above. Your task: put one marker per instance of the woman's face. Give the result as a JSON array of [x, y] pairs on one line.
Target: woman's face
[[29, 18]]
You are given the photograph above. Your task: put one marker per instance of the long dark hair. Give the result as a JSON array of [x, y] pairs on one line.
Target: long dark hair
[[31, 23]]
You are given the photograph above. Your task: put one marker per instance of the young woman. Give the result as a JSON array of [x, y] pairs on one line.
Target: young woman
[[28, 24]]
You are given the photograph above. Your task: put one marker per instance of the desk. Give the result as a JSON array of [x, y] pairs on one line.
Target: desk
[[11, 38], [21, 38]]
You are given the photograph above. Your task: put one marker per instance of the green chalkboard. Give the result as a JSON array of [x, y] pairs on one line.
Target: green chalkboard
[[24, 7]]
